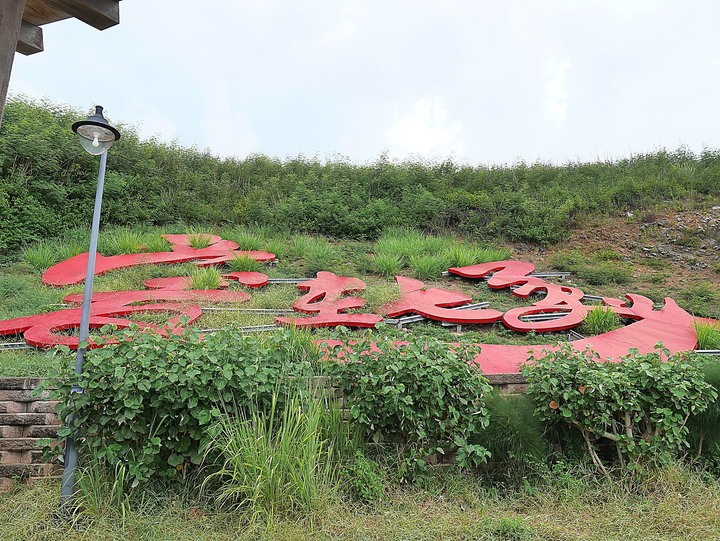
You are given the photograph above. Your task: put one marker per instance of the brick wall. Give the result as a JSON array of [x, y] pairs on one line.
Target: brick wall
[[24, 420]]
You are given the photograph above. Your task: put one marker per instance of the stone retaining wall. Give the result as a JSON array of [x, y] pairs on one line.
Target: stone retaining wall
[[26, 418]]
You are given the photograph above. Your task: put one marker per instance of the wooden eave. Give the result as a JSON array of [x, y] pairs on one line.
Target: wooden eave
[[100, 14]]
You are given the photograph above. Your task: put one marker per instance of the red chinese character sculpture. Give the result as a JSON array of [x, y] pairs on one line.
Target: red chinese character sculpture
[[434, 303], [164, 295], [324, 298], [72, 271]]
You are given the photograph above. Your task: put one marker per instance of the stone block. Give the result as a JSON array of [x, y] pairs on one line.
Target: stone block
[[47, 431], [23, 471], [42, 406], [8, 406], [19, 444], [53, 478], [11, 431], [6, 484], [37, 457], [16, 395], [14, 419], [14, 457], [19, 383]]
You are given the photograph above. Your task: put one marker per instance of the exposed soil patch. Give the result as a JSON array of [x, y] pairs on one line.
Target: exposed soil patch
[[671, 251]]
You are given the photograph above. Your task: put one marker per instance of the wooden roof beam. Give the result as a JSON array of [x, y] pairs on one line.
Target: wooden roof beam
[[100, 14], [10, 22], [30, 39]]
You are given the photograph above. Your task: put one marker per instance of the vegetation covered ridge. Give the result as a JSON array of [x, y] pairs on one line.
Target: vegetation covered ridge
[[47, 184]]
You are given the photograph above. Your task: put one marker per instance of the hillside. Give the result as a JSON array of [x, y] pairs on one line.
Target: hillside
[[47, 185]]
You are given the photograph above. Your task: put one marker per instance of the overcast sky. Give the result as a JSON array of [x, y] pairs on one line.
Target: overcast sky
[[481, 81]]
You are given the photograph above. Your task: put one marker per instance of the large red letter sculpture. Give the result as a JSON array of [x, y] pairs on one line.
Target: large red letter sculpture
[[72, 271], [324, 297], [434, 303]]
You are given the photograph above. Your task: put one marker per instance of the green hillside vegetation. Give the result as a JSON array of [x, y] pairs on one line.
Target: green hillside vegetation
[[240, 436], [47, 184]]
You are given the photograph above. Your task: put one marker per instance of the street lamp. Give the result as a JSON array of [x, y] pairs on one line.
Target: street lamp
[[96, 136]]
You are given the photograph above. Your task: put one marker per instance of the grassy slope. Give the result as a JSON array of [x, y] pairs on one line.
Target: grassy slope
[[21, 291], [676, 504]]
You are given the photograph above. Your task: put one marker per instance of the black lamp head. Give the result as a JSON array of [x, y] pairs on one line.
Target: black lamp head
[[96, 135]]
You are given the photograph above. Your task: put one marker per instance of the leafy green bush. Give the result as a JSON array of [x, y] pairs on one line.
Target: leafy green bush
[[705, 426], [422, 394], [641, 403], [148, 400], [47, 185], [365, 479]]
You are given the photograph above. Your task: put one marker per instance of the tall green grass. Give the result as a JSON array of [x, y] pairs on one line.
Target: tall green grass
[[205, 278], [514, 435], [244, 264], [280, 462], [708, 335], [599, 320], [102, 492]]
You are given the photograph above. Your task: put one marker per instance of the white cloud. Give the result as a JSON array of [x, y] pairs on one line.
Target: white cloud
[[628, 11], [150, 122], [484, 81], [425, 130], [554, 102], [227, 129]]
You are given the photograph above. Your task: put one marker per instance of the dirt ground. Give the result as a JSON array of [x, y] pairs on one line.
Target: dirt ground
[[670, 250]]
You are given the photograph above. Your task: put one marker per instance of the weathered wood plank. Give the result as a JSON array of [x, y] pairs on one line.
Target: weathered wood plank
[[100, 14], [37, 12], [30, 39], [10, 21]]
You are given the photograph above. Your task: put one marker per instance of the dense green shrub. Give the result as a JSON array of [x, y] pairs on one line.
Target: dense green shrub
[[148, 400], [424, 395], [364, 478], [641, 403], [47, 185], [705, 426]]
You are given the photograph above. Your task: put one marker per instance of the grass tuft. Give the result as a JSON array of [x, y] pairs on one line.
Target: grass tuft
[[205, 278], [199, 240], [41, 255], [428, 267], [599, 320], [388, 265], [708, 335], [244, 263]]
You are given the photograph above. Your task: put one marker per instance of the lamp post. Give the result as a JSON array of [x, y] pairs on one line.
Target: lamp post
[[96, 136]]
